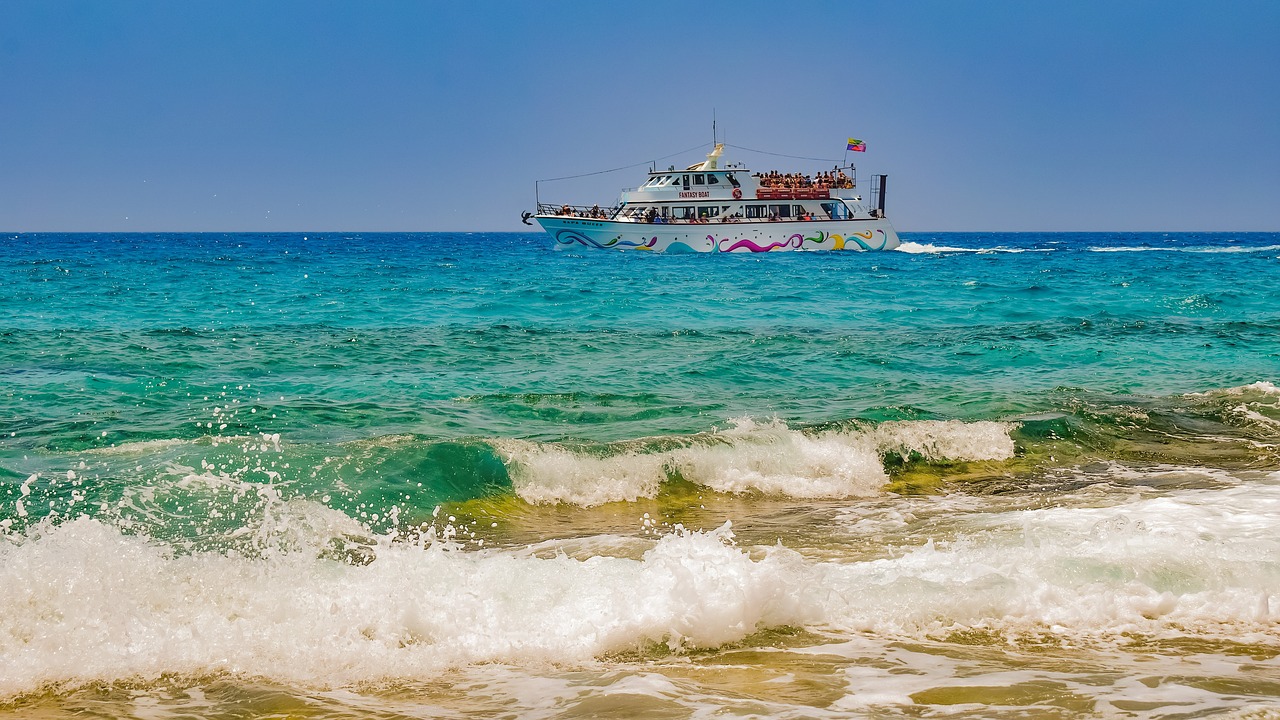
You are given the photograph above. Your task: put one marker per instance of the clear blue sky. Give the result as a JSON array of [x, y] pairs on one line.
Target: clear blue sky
[[1017, 115]]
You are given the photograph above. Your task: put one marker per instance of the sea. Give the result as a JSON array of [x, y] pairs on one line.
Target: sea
[[468, 475]]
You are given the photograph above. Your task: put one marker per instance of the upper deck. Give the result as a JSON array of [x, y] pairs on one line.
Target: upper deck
[[710, 182], [708, 192]]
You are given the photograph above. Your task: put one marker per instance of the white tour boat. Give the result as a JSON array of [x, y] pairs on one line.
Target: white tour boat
[[710, 208]]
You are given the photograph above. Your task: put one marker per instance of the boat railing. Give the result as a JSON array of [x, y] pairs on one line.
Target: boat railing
[[578, 211], [809, 193]]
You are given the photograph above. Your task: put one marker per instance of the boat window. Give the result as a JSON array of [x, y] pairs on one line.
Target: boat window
[[699, 179], [757, 211], [830, 210], [708, 212], [780, 210], [797, 210], [686, 182], [682, 213], [712, 180]]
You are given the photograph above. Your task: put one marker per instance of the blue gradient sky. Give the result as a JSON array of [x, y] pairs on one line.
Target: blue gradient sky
[[1120, 115]]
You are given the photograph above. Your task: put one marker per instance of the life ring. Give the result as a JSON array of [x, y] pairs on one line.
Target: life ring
[[737, 193]]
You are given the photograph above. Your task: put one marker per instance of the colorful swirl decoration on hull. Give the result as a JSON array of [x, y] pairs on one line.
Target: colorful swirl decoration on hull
[[797, 240], [818, 241], [569, 237]]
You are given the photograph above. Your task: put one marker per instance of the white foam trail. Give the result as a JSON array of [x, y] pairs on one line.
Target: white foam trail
[[750, 456], [928, 247], [84, 602], [916, 248]]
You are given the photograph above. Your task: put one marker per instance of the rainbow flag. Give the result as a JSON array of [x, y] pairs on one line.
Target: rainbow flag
[[857, 145]]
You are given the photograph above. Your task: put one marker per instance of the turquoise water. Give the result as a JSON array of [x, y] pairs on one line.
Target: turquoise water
[[285, 432]]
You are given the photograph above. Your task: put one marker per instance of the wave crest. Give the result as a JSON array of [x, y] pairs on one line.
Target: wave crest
[[750, 456]]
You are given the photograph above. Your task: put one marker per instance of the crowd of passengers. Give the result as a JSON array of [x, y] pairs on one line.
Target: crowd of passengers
[[652, 216], [594, 213], [797, 181]]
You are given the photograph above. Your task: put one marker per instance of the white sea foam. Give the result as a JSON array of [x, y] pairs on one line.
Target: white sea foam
[[548, 473], [766, 457], [916, 248], [773, 459], [85, 602]]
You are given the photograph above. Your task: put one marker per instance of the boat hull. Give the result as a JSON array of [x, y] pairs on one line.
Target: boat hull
[[741, 237]]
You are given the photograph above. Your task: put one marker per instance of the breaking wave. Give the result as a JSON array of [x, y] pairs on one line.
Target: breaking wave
[[86, 602], [750, 456]]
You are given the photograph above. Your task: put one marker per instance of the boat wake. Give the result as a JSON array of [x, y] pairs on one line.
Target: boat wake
[[915, 248]]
